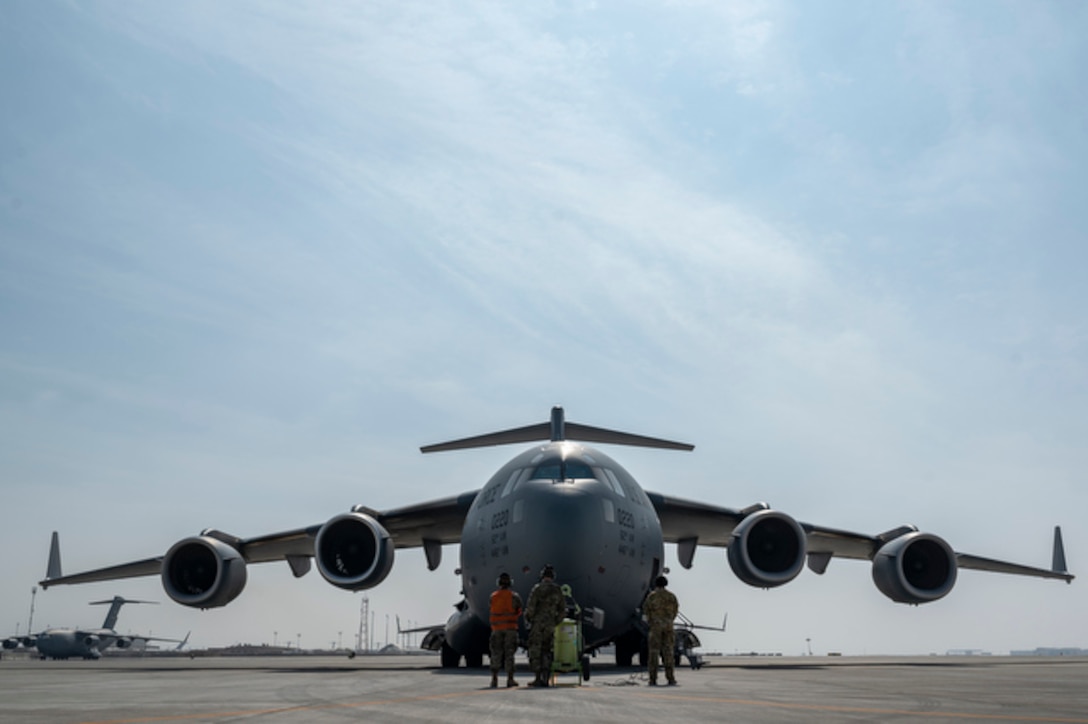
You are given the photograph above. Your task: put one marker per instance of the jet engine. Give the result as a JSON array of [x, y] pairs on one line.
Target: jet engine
[[203, 572], [353, 551], [768, 549], [123, 643], [11, 643], [915, 568], [91, 641]]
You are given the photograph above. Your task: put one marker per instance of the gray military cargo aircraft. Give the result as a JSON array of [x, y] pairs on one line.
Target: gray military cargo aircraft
[[567, 504], [67, 643], [84, 643]]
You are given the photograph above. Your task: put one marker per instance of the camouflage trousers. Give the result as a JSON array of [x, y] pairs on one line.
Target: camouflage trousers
[[662, 646], [504, 644], [541, 646]]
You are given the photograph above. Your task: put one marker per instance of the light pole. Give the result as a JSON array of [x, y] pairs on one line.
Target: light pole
[[30, 623]]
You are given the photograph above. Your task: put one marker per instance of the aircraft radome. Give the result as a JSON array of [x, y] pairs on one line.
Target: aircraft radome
[[570, 505]]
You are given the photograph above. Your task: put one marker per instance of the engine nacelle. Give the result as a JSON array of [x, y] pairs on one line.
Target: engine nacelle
[[11, 643], [915, 568], [203, 572], [353, 551], [91, 641], [123, 643], [768, 549]]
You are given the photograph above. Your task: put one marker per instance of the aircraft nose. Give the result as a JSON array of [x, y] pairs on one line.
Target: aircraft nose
[[561, 525]]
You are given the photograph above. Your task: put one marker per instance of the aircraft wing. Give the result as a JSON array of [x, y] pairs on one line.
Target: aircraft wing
[[689, 524], [430, 524], [440, 520], [146, 639]]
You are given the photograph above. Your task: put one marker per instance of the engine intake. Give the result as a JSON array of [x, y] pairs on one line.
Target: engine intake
[[768, 549], [915, 568], [203, 572], [353, 551]]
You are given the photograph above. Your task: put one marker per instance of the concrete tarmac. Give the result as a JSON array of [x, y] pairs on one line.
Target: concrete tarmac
[[415, 689]]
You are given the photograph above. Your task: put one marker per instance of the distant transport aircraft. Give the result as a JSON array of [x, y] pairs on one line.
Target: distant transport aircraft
[[65, 643], [567, 504]]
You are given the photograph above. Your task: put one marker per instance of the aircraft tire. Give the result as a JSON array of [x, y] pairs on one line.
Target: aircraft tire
[[585, 668], [627, 646], [450, 658], [474, 661]]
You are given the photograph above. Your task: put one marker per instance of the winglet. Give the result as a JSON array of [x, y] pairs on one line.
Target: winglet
[[1058, 565], [183, 642], [53, 568]]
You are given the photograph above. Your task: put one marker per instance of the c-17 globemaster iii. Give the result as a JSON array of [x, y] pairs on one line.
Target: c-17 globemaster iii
[[564, 503], [86, 643]]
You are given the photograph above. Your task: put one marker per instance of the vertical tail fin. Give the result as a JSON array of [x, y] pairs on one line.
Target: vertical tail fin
[[115, 608], [52, 570]]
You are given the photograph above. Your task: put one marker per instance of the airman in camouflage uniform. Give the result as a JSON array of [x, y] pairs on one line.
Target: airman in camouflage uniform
[[660, 609], [544, 611]]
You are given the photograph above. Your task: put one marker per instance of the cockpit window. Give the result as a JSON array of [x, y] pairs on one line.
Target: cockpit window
[[614, 483], [563, 470], [510, 482], [548, 471], [578, 470]]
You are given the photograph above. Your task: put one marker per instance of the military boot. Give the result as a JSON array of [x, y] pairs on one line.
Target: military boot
[[494, 681], [510, 683]]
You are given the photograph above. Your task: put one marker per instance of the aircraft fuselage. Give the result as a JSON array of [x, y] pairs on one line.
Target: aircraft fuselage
[[74, 643], [573, 507]]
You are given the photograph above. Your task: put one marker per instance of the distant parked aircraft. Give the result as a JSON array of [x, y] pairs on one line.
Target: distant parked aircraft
[[65, 643]]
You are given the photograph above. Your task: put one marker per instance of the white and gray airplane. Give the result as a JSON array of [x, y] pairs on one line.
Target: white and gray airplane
[[567, 504]]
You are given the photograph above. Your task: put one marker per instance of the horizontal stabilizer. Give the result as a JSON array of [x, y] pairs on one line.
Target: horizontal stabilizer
[[119, 599], [532, 433], [556, 430]]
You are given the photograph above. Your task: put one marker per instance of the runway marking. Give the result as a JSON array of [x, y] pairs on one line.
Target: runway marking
[[286, 709], [865, 710], [826, 708]]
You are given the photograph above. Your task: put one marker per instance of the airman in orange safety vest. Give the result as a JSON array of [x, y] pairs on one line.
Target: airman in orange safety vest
[[505, 610]]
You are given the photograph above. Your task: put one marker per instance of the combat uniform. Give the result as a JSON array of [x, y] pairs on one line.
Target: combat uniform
[[544, 611], [661, 608], [505, 609]]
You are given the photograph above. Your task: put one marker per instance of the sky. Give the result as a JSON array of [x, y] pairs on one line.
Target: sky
[[254, 254]]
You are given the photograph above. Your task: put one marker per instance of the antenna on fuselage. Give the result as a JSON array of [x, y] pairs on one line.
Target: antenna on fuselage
[[557, 429]]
